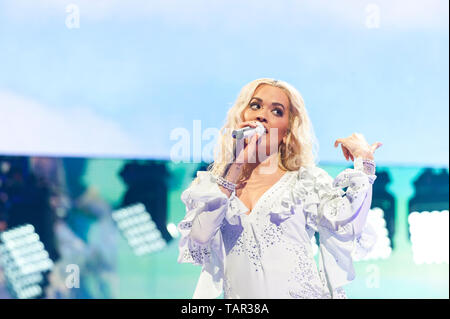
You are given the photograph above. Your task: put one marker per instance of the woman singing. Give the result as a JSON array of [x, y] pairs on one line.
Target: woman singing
[[251, 216]]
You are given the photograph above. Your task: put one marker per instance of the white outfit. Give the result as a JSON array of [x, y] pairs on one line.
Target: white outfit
[[268, 253]]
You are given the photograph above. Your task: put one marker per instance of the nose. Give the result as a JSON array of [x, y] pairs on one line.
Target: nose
[[261, 118]]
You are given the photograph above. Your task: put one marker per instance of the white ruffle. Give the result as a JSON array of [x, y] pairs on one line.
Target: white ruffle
[[306, 194], [205, 196], [364, 243], [330, 214]]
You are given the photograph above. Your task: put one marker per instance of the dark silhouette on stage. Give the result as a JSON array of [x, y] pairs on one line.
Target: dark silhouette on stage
[[147, 183], [383, 199], [201, 167], [25, 199], [431, 192]]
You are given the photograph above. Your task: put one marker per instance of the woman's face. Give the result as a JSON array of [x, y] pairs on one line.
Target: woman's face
[[270, 106]]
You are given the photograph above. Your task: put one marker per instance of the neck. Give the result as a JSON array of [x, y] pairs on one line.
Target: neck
[[260, 170]]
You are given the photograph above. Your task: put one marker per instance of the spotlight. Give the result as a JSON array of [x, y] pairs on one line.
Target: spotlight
[[429, 236], [24, 260], [138, 228], [381, 248]]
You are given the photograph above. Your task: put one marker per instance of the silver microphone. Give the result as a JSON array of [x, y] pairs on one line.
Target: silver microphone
[[248, 131]]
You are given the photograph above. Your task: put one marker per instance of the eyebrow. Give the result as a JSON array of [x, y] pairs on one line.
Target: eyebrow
[[273, 103]]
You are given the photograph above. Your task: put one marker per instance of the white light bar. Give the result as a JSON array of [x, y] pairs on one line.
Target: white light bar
[[138, 228], [429, 236], [382, 246], [173, 231], [24, 259]]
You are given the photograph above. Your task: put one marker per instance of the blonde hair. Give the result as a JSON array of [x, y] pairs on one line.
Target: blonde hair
[[301, 144]]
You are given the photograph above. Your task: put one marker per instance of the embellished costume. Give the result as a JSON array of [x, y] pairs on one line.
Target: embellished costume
[[268, 253]]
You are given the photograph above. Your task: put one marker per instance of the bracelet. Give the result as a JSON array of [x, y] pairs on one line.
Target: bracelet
[[366, 165], [223, 182], [369, 166]]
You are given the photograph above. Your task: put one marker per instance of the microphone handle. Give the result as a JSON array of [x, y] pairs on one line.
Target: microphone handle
[[247, 131]]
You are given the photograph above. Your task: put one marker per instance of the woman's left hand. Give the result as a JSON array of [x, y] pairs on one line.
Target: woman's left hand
[[356, 146]]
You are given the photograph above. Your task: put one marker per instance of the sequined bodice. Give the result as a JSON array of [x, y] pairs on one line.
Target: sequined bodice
[[260, 253]]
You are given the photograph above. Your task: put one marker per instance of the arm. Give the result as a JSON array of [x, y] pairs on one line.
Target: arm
[[350, 210], [206, 208], [340, 219], [206, 224]]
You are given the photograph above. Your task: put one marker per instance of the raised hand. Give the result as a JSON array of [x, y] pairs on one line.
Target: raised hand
[[356, 146]]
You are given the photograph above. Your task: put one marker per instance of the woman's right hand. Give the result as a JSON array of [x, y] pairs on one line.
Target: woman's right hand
[[247, 151]]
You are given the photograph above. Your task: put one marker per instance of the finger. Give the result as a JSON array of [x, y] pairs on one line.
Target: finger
[[376, 146], [252, 142], [336, 143], [248, 123], [248, 139], [349, 154], [344, 151], [242, 125], [360, 136], [251, 152]]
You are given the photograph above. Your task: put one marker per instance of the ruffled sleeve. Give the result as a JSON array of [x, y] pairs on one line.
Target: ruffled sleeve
[[201, 240], [340, 218]]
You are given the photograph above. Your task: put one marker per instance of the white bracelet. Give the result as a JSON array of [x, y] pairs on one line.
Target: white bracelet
[[223, 182], [366, 165], [369, 166]]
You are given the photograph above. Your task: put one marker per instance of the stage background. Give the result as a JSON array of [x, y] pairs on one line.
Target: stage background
[[158, 275], [110, 81]]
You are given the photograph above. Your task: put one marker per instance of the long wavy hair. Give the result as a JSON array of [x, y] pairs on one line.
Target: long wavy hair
[[301, 145]]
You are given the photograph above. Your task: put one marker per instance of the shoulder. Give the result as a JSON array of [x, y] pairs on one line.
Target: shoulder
[[315, 181], [314, 174], [203, 187]]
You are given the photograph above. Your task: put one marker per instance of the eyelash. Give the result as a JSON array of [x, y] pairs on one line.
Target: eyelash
[[280, 114]]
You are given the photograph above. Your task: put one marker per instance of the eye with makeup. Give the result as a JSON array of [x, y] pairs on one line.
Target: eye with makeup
[[276, 111]]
